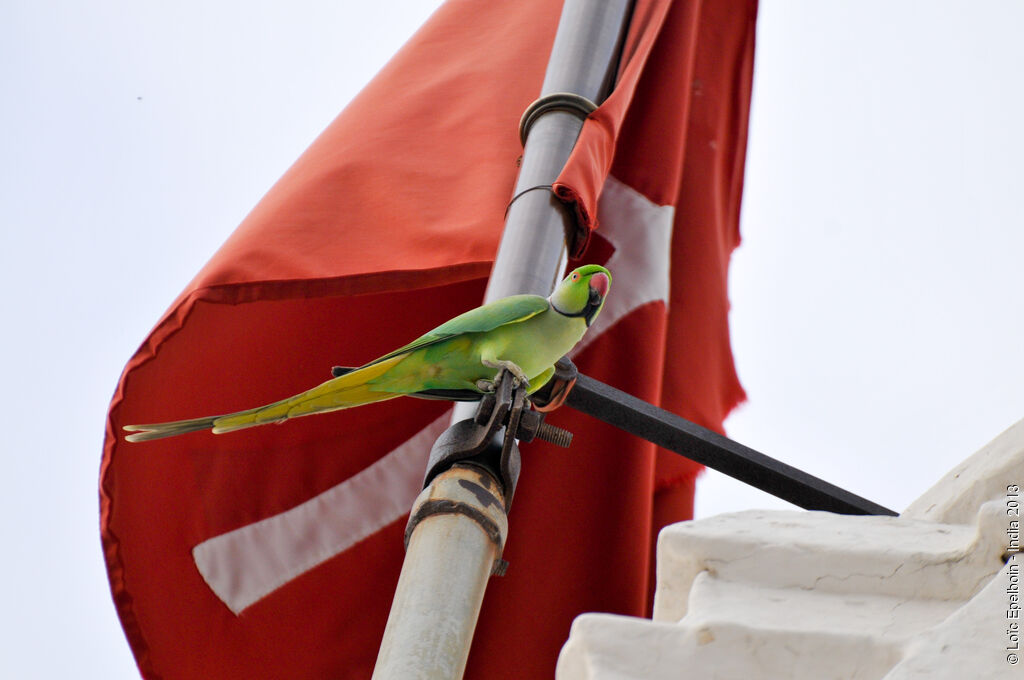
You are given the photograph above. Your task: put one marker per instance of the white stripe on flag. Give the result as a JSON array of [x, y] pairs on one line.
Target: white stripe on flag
[[641, 232], [249, 563], [245, 565]]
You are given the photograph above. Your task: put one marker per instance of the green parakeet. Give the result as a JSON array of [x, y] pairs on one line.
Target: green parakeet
[[460, 359]]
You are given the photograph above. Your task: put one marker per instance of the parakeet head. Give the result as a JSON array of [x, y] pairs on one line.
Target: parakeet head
[[582, 292]]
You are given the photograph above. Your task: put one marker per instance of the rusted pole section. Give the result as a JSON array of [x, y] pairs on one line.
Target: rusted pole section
[[459, 522], [449, 557]]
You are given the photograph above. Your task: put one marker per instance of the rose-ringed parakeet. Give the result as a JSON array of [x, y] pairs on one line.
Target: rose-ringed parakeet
[[460, 359]]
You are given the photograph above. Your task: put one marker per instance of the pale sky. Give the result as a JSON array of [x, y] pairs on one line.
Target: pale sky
[[876, 316]]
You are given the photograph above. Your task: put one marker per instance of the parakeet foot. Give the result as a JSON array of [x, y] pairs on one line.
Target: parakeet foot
[[505, 365], [485, 385]]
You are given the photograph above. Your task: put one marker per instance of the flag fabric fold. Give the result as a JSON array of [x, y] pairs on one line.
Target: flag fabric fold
[[274, 552]]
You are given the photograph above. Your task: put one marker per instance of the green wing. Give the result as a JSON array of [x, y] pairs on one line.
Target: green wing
[[480, 320]]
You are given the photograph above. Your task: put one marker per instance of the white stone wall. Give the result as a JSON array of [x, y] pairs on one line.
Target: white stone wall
[[933, 593]]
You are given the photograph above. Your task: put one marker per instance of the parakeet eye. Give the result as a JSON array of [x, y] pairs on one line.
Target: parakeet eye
[[575, 276]]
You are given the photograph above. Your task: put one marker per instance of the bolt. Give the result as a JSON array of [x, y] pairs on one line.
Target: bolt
[[554, 435]]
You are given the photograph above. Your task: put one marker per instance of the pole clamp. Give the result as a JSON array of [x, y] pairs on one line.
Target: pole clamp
[[480, 440]]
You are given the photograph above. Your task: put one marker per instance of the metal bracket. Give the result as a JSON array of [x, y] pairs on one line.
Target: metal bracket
[[480, 441]]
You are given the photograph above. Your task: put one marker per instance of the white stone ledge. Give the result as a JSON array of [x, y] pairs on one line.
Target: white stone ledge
[[819, 551], [715, 601], [808, 595], [605, 647], [981, 478]]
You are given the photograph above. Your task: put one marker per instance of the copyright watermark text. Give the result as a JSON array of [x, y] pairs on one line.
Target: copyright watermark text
[[1013, 585]]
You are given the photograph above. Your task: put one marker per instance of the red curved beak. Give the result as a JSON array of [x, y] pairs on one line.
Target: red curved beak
[[599, 282]]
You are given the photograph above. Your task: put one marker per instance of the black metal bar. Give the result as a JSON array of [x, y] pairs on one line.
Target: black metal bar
[[699, 444]]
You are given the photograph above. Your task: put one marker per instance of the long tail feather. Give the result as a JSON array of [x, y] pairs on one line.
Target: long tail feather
[[159, 430], [346, 391]]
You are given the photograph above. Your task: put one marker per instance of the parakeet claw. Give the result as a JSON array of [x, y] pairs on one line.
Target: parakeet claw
[[485, 385], [505, 365]]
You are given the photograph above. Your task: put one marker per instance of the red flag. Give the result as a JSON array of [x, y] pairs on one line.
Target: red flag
[[274, 552]]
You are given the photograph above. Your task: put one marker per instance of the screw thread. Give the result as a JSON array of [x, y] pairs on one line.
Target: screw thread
[[554, 435]]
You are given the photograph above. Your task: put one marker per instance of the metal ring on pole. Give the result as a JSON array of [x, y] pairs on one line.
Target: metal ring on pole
[[556, 101], [444, 506], [519, 195]]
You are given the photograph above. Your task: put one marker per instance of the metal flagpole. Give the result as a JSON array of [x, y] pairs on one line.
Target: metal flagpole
[[458, 524]]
